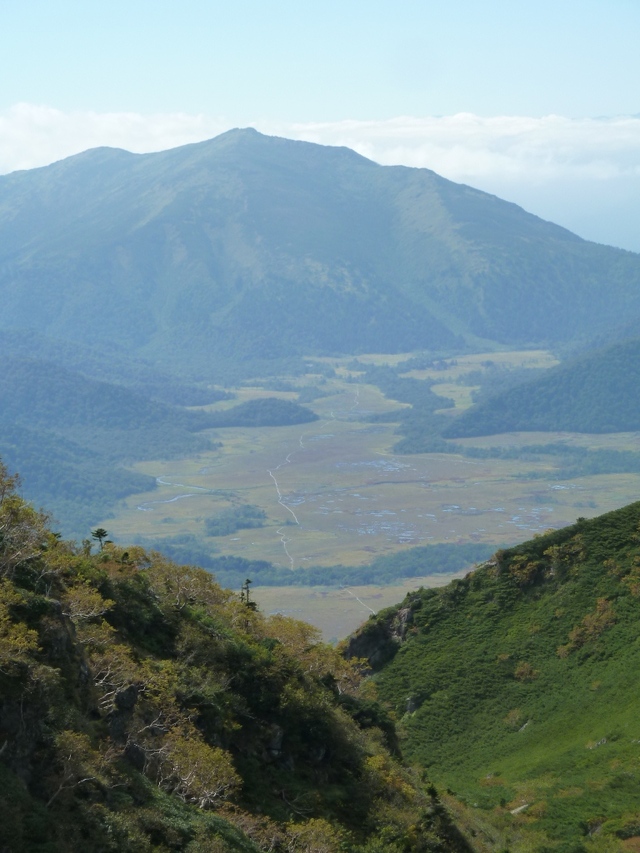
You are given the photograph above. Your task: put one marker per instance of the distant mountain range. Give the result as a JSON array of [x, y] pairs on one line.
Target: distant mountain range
[[254, 247]]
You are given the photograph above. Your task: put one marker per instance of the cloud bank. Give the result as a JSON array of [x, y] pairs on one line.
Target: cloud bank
[[571, 170], [470, 146]]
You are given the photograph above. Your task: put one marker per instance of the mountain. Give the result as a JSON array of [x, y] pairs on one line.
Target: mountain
[[70, 435], [596, 393], [144, 708], [516, 687], [254, 247]]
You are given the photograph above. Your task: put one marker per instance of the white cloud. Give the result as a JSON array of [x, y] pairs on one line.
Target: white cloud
[[32, 135], [541, 163], [460, 147], [467, 146]]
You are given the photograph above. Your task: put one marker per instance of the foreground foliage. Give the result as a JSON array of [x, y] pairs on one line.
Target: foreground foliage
[[143, 707], [517, 687]]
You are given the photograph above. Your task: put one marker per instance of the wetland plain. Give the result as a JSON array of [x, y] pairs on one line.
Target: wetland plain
[[335, 492]]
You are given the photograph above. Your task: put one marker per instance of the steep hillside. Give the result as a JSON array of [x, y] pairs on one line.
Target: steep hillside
[[264, 248], [595, 393], [517, 688], [142, 707]]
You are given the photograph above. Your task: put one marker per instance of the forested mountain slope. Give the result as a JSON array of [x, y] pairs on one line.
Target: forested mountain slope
[[258, 247], [142, 707], [70, 435], [517, 686], [595, 393]]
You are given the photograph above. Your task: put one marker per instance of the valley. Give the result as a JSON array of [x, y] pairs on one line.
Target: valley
[[335, 493], [253, 379]]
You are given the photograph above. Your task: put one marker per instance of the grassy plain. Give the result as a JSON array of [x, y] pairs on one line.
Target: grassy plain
[[338, 611], [335, 492]]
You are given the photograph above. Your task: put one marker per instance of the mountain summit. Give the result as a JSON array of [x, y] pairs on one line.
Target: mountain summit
[[251, 246]]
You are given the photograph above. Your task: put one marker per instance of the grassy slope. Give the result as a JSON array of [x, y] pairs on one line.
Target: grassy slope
[[520, 680]]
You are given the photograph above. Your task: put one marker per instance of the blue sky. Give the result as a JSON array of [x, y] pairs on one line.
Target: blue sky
[[533, 101]]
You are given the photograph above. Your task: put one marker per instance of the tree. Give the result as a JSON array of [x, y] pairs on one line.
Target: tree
[[99, 534], [196, 772], [245, 596]]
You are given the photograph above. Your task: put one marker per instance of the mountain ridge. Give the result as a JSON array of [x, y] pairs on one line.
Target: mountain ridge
[[249, 246], [591, 393]]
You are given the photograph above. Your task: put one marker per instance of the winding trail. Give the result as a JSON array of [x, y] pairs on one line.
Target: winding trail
[[284, 539], [148, 506], [346, 589]]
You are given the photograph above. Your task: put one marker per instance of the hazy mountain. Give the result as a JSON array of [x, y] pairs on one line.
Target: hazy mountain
[[595, 393], [259, 247], [69, 436]]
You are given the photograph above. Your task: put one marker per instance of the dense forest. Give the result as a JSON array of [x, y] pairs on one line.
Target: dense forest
[[414, 562], [595, 393], [268, 411], [71, 435], [442, 558]]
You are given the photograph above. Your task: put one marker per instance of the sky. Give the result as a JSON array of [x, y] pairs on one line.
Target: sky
[[538, 103]]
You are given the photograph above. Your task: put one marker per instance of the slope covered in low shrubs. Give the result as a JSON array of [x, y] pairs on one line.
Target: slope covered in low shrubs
[[143, 707]]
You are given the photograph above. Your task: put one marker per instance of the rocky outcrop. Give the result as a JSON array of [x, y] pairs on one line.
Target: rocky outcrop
[[378, 640]]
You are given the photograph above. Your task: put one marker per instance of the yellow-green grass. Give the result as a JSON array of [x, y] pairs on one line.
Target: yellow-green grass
[[338, 611], [351, 499], [347, 498], [462, 395], [449, 370], [243, 394], [343, 477]]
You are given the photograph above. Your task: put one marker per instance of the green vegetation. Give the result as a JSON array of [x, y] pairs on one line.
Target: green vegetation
[[596, 393], [236, 518], [294, 250], [45, 395], [143, 707], [296, 253], [517, 689], [415, 562], [415, 392], [310, 393], [265, 411], [231, 570], [78, 484], [571, 461], [184, 548], [70, 435], [419, 422]]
